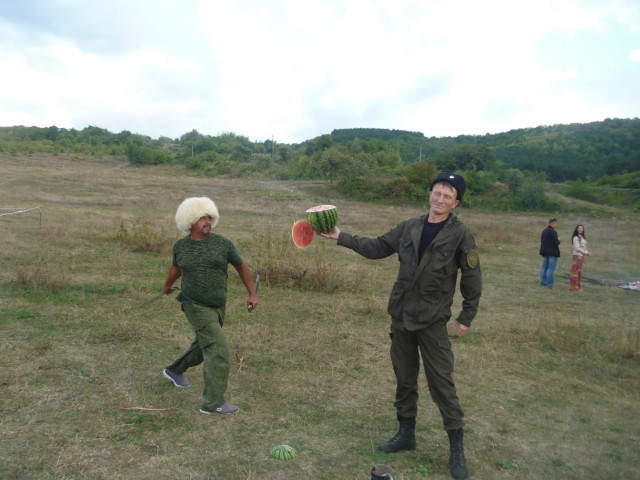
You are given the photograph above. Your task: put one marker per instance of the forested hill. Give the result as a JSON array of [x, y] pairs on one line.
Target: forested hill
[[560, 152], [563, 152]]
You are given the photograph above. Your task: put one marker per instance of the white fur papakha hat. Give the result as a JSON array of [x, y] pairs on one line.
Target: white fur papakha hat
[[193, 209]]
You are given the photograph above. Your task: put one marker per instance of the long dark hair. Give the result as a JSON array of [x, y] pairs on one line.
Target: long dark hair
[[575, 232]]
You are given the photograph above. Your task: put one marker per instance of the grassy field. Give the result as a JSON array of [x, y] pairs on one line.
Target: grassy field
[[549, 380]]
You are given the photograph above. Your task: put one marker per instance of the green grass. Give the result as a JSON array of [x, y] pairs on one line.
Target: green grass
[[549, 380]]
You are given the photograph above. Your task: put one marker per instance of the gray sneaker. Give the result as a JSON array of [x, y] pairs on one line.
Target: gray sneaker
[[178, 379], [226, 407]]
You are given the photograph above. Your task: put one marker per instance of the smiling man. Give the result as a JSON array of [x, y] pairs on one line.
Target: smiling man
[[432, 249], [202, 259]]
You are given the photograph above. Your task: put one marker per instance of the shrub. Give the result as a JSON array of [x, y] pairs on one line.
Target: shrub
[[580, 190], [421, 173], [42, 275], [355, 186], [138, 155], [144, 237], [479, 182], [280, 263]]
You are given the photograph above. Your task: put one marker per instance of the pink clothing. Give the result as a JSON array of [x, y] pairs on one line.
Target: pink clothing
[[579, 251], [576, 272]]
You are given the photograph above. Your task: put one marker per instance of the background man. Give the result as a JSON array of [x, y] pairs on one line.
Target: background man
[[431, 250], [202, 259], [550, 251]]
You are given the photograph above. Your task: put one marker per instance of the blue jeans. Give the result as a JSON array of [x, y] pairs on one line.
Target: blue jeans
[[547, 271]]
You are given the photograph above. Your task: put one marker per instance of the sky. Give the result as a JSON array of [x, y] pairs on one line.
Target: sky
[[291, 70]]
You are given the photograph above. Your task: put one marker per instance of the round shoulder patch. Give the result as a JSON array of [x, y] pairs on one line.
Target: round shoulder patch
[[472, 258]]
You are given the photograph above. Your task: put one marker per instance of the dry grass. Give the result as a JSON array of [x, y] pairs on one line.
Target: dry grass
[[144, 236], [42, 275], [548, 379], [274, 256]]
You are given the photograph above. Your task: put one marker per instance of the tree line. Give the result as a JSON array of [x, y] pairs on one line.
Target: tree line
[[374, 164]]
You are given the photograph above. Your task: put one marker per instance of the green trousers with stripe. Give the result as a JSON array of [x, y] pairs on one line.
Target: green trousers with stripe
[[209, 348]]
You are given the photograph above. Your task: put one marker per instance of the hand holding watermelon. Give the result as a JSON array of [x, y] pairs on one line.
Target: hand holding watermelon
[[332, 235]]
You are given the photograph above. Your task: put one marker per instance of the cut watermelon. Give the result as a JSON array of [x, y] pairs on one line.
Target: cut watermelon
[[323, 218], [302, 233]]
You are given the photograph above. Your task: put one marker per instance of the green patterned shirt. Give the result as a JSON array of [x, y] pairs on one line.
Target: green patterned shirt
[[204, 267]]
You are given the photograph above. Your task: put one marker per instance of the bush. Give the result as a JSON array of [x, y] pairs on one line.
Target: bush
[[280, 263], [355, 186], [42, 275], [479, 182], [580, 190], [144, 237], [138, 155]]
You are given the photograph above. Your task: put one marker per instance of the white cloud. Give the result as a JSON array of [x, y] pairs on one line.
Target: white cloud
[[296, 70]]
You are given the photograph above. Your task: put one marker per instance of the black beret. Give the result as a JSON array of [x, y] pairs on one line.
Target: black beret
[[456, 181]]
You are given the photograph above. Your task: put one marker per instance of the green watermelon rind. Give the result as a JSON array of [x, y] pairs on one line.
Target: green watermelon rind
[[298, 242], [323, 218], [283, 452]]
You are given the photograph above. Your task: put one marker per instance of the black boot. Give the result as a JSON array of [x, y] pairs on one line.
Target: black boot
[[405, 439], [457, 463]]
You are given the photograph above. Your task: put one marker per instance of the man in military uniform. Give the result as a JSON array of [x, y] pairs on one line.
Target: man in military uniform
[[431, 250]]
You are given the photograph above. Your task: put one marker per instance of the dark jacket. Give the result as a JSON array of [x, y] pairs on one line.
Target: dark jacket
[[549, 243], [423, 293]]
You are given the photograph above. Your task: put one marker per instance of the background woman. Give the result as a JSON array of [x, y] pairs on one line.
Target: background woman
[[579, 251]]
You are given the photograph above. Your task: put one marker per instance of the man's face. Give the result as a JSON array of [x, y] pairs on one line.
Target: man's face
[[202, 226], [443, 199]]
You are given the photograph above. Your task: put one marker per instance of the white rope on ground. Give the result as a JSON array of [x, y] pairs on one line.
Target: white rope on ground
[[19, 210]]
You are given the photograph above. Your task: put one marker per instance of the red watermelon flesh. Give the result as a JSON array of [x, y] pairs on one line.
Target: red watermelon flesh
[[302, 233]]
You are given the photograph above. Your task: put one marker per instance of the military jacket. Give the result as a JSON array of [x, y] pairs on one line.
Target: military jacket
[[423, 292]]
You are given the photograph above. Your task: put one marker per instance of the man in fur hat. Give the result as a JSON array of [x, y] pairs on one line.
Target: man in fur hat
[[202, 259]]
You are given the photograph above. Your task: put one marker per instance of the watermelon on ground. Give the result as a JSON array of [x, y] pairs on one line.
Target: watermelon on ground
[[323, 218], [283, 452], [302, 233]]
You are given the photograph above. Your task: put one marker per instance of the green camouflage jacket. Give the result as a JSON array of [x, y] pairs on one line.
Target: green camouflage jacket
[[423, 293]]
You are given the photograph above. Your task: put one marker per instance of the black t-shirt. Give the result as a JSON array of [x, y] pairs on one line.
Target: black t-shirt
[[429, 232]]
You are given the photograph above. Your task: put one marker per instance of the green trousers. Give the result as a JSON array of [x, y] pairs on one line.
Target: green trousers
[[432, 343], [209, 348]]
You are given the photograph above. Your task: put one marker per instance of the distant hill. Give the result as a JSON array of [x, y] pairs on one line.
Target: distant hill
[[564, 152]]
